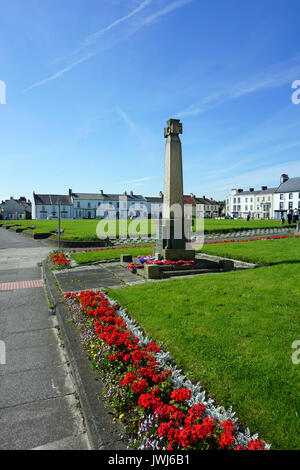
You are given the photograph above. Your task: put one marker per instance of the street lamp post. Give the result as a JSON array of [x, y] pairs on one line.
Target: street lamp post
[[59, 225]]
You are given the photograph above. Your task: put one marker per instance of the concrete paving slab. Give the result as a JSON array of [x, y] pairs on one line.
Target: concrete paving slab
[[94, 278], [22, 310], [17, 274], [42, 422], [30, 350], [47, 381]]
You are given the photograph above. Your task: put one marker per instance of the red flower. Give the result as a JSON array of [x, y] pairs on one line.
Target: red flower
[[181, 394], [140, 386]]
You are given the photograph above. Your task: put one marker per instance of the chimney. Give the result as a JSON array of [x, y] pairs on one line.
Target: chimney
[[101, 192], [131, 193], [125, 193], [203, 197], [192, 195], [284, 178], [70, 192], [161, 194], [263, 188], [251, 190], [240, 190]]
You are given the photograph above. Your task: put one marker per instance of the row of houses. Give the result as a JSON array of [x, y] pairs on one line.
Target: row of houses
[[15, 209], [109, 206], [266, 203]]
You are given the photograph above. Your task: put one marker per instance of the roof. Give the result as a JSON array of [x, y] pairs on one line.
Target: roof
[[12, 206], [107, 197], [289, 186], [189, 200], [154, 199], [52, 199], [201, 200], [260, 191]]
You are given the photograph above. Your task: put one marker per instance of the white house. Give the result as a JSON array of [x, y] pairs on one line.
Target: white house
[[110, 206], [286, 196], [90, 206], [47, 205], [257, 204]]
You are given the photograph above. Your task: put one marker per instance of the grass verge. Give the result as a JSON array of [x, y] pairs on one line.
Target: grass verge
[[111, 253]]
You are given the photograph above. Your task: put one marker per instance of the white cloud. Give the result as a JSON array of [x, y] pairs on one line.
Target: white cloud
[[138, 181], [93, 38], [273, 76], [61, 72], [126, 119]]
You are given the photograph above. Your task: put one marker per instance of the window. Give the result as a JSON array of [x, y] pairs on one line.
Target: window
[[281, 196], [290, 195], [251, 208], [269, 198], [89, 205], [258, 199], [258, 208], [263, 199], [290, 205], [78, 205], [234, 200], [281, 206], [239, 200], [246, 208], [246, 199], [234, 208]]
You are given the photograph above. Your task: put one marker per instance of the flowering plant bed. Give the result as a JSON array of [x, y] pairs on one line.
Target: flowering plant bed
[[151, 260], [161, 409], [249, 240], [59, 259]]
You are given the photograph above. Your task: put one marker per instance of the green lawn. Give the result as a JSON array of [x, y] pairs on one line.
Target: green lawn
[[86, 229], [267, 252], [227, 225], [233, 333], [101, 255]]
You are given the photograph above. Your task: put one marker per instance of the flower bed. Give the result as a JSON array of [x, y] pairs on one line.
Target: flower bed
[[249, 240], [162, 409], [151, 260], [59, 259]]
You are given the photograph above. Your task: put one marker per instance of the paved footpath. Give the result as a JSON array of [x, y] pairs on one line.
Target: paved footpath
[[38, 404]]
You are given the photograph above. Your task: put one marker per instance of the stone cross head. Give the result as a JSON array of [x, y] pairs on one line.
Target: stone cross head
[[174, 127]]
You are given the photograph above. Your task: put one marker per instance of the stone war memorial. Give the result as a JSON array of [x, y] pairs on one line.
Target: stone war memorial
[[173, 230], [173, 252]]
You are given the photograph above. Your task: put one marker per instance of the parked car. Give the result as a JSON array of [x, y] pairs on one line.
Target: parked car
[[228, 217], [52, 217]]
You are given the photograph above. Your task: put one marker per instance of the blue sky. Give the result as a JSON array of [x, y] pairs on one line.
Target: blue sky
[[90, 85]]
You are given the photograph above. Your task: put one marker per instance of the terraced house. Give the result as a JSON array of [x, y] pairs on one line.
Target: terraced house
[[93, 205], [266, 203], [109, 206]]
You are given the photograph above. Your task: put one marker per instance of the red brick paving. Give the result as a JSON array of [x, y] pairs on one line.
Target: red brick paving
[[4, 286]]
